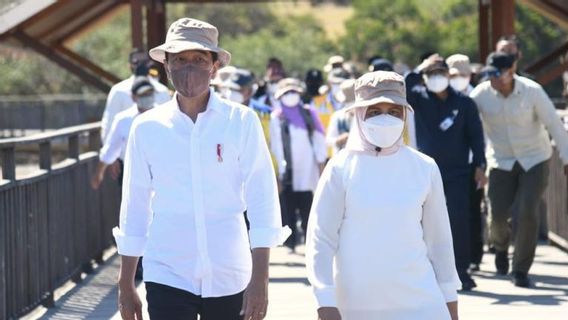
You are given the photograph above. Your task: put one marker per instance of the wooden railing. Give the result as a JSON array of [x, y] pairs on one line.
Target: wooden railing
[[52, 224], [556, 198]]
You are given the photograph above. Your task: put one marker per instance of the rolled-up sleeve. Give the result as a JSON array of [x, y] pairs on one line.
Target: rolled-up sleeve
[[322, 237], [260, 190], [438, 238], [135, 211]]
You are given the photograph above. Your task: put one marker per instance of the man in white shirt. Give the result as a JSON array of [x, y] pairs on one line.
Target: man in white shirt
[[193, 166], [298, 144], [518, 117], [114, 147], [120, 99]]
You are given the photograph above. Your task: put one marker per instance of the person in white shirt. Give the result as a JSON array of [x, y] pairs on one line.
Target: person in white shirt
[[120, 99], [340, 122], [298, 144], [379, 244], [460, 73], [193, 166], [115, 145]]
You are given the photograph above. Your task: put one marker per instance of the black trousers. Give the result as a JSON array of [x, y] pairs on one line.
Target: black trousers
[[168, 303], [291, 203], [457, 199], [476, 220]]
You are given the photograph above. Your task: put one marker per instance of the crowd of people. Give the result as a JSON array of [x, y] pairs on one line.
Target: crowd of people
[[383, 173]]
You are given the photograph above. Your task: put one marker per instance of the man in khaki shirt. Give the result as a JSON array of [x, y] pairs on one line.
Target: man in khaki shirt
[[518, 117]]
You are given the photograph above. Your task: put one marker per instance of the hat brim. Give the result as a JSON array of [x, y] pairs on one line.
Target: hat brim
[[456, 71], [280, 92], [386, 98], [159, 53]]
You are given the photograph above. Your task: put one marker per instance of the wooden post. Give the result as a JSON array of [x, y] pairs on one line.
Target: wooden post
[[136, 24], [8, 163], [45, 155], [156, 29], [94, 140], [484, 41], [502, 20]]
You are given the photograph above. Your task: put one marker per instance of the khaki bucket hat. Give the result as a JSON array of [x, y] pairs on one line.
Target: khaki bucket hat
[[458, 64], [380, 86], [288, 84], [190, 34]]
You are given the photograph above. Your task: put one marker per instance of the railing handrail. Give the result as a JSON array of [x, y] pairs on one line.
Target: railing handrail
[[44, 137]]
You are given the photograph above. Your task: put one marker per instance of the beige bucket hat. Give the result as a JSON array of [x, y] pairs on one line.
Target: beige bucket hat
[[458, 64], [380, 86], [288, 84], [190, 34]]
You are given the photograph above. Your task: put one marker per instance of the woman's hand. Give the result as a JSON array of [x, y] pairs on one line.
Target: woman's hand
[[329, 313]]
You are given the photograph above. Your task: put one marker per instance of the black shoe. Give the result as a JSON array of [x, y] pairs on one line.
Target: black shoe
[[468, 284], [502, 262], [521, 279], [491, 249]]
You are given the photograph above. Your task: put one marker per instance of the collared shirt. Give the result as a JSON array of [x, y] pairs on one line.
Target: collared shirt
[[517, 125], [306, 154], [186, 186], [447, 130], [115, 143], [120, 98]]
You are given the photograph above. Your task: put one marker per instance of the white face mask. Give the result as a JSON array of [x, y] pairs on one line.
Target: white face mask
[[383, 130], [437, 83], [459, 83], [290, 99], [235, 96]]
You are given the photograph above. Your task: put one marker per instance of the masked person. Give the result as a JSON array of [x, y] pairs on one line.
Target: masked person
[[518, 117], [192, 167], [298, 145], [379, 244], [341, 120], [274, 73], [448, 128], [460, 73], [114, 147]]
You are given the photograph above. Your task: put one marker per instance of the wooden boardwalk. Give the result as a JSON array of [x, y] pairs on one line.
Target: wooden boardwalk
[[290, 296]]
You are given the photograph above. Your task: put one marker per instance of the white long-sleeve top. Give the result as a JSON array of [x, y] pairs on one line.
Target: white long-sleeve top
[[115, 144], [379, 244], [306, 156], [332, 130], [186, 186], [120, 98]]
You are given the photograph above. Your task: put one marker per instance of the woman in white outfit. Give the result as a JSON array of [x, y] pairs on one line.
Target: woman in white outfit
[[379, 244]]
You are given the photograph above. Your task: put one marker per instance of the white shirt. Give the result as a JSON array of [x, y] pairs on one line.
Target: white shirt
[[186, 186], [518, 125], [305, 156], [115, 143], [379, 244], [120, 98]]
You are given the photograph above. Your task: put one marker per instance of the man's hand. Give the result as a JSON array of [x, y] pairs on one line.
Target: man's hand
[[129, 303], [115, 170], [329, 313], [453, 309], [480, 178], [255, 298], [96, 180]]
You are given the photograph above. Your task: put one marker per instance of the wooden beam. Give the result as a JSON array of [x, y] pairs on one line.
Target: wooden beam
[[52, 55], [136, 24], [502, 19], [552, 74], [87, 64], [547, 59], [156, 29], [483, 29]]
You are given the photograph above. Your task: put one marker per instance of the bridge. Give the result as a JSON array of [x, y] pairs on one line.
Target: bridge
[[57, 258]]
